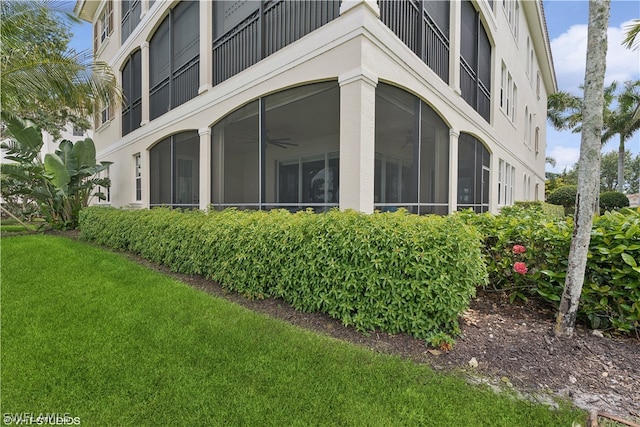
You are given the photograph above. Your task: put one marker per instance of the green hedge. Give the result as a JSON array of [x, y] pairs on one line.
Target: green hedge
[[613, 201], [552, 210], [611, 292], [393, 272]]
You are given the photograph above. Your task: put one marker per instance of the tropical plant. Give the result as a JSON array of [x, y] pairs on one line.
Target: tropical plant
[[609, 171], [42, 79], [564, 196], [565, 113], [62, 184], [613, 201], [624, 122]]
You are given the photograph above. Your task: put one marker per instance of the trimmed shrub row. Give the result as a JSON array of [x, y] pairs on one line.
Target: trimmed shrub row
[[526, 251], [566, 197], [551, 210], [393, 272]]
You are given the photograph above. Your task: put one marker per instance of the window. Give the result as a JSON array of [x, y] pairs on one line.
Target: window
[[531, 66], [174, 166], [526, 126], [511, 187], [411, 154], [501, 190], [514, 103], [132, 93], [130, 17], [512, 10], [537, 140], [506, 174], [174, 55], [78, 131], [103, 26], [279, 151], [529, 129], [475, 61], [503, 86], [526, 53], [103, 116], [509, 101], [538, 84], [516, 20], [473, 174], [138, 176]]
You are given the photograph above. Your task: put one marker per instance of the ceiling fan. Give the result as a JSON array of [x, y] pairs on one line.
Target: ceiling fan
[[278, 142]]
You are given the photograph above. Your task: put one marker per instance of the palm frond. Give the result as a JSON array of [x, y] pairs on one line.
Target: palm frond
[[632, 37]]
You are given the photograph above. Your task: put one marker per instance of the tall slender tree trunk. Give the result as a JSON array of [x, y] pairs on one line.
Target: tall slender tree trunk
[[621, 164], [589, 173]]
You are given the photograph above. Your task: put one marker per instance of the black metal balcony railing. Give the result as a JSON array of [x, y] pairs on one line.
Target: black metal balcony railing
[[131, 116], [276, 24], [174, 91], [159, 99], [474, 92], [186, 81], [413, 25]]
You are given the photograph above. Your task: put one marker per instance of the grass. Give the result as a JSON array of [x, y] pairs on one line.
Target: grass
[[15, 228], [88, 333], [9, 225]]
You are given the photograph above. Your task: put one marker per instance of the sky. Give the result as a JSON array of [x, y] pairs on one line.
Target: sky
[[567, 26]]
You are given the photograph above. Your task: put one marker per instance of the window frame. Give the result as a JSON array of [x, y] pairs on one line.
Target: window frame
[[137, 159]]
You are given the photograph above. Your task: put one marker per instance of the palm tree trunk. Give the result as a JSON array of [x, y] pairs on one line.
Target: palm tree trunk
[[589, 173], [621, 164]]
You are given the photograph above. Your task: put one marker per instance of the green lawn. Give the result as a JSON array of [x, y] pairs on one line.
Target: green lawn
[[88, 333]]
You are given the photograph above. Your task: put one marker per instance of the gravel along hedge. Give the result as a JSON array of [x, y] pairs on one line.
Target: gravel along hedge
[[393, 271]]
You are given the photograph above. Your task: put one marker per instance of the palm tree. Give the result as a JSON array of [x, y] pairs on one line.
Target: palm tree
[[564, 112], [41, 78], [624, 122]]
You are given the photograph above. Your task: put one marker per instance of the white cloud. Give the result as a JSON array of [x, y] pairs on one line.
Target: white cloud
[[565, 157], [569, 56]]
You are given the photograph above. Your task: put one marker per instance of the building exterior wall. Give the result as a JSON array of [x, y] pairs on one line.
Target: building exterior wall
[[359, 52]]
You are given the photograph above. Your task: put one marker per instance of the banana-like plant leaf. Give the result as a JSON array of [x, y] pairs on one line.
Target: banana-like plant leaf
[[60, 177], [85, 151], [68, 156]]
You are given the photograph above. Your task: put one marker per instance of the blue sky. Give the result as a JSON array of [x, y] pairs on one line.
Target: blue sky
[[567, 25]]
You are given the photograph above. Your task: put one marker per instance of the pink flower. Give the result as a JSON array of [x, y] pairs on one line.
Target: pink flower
[[519, 249], [520, 267]]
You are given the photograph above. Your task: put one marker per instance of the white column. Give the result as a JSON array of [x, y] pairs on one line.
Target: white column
[[205, 167], [455, 23], [453, 170], [347, 5], [206, 36], [144, 51], [357, 139], [144, 8]]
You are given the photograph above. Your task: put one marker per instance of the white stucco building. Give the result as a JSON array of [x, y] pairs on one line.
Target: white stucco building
[[372, 105]]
